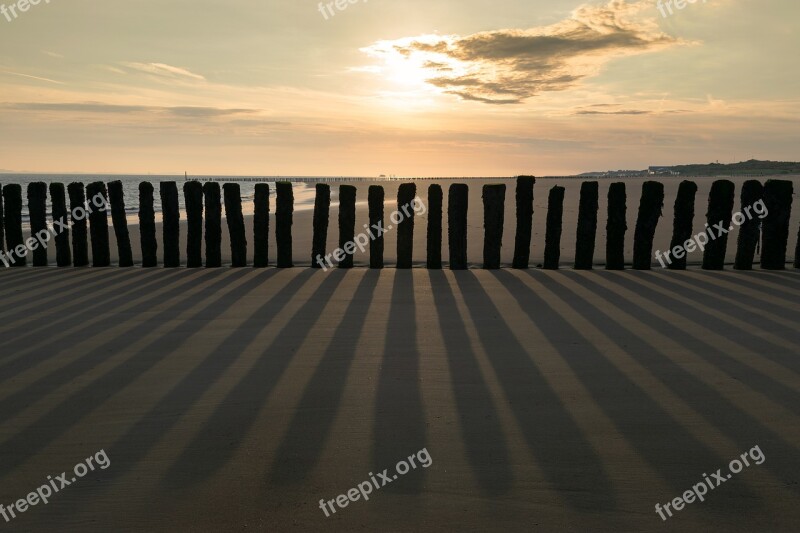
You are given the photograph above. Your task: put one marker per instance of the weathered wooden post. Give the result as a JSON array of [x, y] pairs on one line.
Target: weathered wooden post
[[494, 198], [552, 241], [377, 227], [720, 210], [405, 224], [261, 226], [587, 225], [797, 251], [347, 224], [322, 213], [2, 222], [235, 219], [651, 205], [120, 221], [172, 224], [213, 228], [457, 208], [98, 223], [12, 197], [37, 210], [283, 223], [682, 223], [58, 198], [616, 226], [147, 226], [193, 199], [522, 240], [749, 226], [775, 226], [80, 224], [434, 244]]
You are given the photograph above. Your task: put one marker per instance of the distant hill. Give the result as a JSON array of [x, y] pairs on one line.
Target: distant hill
[[752, 166]]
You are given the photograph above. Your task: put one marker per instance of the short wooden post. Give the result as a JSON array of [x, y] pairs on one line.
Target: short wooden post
[[720, 210], [555, 214], [193, 199], [522, 240], [434, 244], [405, 224], [284, 212], [682, 224], [616, 226], [749, 226], [775, 226], [494, 198], [322, 212], [651, 206], [37, 210], [235, 219], [58, 199], [97, 201], [213, 227], [261, 226], [587, 225], [119, 218], [12, 197], [172, 224], [377, 227], [147, 226], [457, 209], [347, 224]]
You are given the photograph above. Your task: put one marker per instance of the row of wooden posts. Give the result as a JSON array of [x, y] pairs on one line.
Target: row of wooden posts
[[773, 231]]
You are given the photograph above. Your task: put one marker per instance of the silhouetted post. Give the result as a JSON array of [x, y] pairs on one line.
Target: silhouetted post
[[720, 210], [58, 198], [405, 226], [434, 248], [522, 240], [193, 198], [261, 226], [651, 205], [775, 226], [80, 233], [213, 229], [120, 220], [587, 225], [172, 224], [616, 226], [682, 224], [457, 207], [2, 223], [552, 241], [377, 227], [283, 223], [147, 226], [98, 223], [347, 224], [12, 197], [322, 213], [37, 210], [797, 251], [235, 218], [749, 227], [494, 198]]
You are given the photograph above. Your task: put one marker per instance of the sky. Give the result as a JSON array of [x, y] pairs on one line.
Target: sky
[[404, 87]]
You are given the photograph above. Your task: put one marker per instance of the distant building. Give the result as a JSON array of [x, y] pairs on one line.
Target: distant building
[[662, 171]]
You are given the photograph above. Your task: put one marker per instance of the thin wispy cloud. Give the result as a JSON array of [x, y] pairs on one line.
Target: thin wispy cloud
[[39, 78], [163, 70]]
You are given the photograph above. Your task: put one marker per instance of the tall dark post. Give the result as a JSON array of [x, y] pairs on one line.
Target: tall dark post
[[120, 220], [494, 198], [147, 226], [434, 247], [457, 208], [193, 199], [37, 209], [2, 223], [283, 223], [405, 229], [322, 212], [261, 226], [749, 227], [650, 210], [682, 224], [80, 224], [522, 240], [720, 210], [235, 218], [616, 226], [555, 215], [775, 226], [377, 226], [98, 223], [347, 224], [797, 251], [587, 225], [172, 224], [213, 230], [12, 197], [58, 198]]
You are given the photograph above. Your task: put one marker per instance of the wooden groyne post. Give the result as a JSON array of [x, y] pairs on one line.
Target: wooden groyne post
[[682, 223], [37, 210], [434, 244], [80, 225], [147, 225], [284, 210], [555, 214], [720, 211], [749, 228], [650, 208], [587, 225], [170, 209], [235, 219], [119, 219], [522, 239], [616, 226], [98, 223], [775, 226], [494, 198], [58, 199], [193, 199], [405, 226], [347, 224], [322, 210], [375, 200], [457, 207], [12, 197], [213, 228], [261, 226]]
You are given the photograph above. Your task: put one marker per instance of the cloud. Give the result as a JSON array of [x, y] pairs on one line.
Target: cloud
[[96, 107], [163, 70], [510, 65]]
